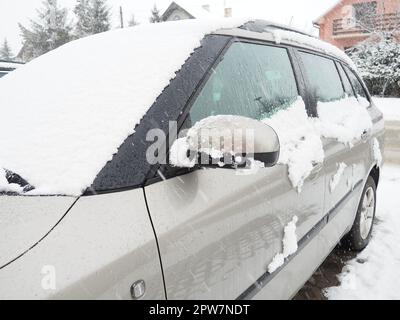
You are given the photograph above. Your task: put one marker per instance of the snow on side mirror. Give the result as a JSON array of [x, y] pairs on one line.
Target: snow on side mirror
[[226, 141]]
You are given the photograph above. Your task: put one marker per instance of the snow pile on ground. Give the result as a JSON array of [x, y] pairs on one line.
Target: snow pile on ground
[[375, 272], [377, 152], [65, 114], [390, 107], [317, 44], [344, 120], [336, 178], [289, 243], [301, 145], [8, 187]]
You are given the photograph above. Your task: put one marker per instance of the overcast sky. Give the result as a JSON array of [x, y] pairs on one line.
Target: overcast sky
[[299, 13]]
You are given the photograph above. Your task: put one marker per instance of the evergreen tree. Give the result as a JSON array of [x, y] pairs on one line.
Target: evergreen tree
[[100, 14], [5, 51], [93, 16], [132, 22], [155, 15], [48, 32], [83, 25], [378, 60]]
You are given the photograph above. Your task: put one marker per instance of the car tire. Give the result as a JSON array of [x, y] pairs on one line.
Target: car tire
[[360, 234]]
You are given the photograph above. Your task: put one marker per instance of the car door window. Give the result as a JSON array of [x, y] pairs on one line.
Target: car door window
[[323, 78], [252, 80], [346, 82], [358, 88]]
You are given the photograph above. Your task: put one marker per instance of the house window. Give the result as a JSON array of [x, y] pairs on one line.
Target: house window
[[365, 13]]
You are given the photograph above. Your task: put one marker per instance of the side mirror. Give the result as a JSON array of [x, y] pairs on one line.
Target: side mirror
[[227, 142]]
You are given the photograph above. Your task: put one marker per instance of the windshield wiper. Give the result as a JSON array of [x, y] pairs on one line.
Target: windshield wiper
[[17, 179]]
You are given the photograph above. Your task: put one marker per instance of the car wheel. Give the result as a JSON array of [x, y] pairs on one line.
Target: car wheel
[[360, 234]]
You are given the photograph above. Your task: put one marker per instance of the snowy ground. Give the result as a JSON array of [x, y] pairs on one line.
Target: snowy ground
[[375, 272], [389, 106]]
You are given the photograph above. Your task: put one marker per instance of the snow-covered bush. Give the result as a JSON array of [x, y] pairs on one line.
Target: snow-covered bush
[[378, 60]]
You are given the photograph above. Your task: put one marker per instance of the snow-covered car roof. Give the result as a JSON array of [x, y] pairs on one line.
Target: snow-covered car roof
[[82, 100]]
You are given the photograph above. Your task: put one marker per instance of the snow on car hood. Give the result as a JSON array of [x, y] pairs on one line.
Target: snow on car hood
[[26, 220], [65, 114]]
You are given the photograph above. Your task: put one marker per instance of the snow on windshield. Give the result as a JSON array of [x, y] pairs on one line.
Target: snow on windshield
[[66, 113]]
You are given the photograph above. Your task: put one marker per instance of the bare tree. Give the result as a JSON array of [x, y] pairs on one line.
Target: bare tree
[[364, 16]]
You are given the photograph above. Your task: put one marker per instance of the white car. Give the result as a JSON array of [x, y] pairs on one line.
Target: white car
[[100, 200]]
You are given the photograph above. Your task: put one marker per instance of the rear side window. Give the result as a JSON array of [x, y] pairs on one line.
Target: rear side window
[[358, 88], [323, 78], [346, 82], [252, 80]]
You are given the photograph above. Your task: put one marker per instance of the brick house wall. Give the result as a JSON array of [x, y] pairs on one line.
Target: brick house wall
[[335, 29]]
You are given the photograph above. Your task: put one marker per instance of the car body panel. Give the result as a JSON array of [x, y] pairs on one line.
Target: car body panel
[[24, 221], [317, 246], [219, 229], [102, 246]]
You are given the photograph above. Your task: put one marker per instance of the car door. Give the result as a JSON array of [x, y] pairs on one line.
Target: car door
[[364, 150], [219, 229], [344, 162]]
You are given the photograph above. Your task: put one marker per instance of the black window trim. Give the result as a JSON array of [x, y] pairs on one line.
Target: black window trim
[[339, 65], [336, 61], [363, 86]]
